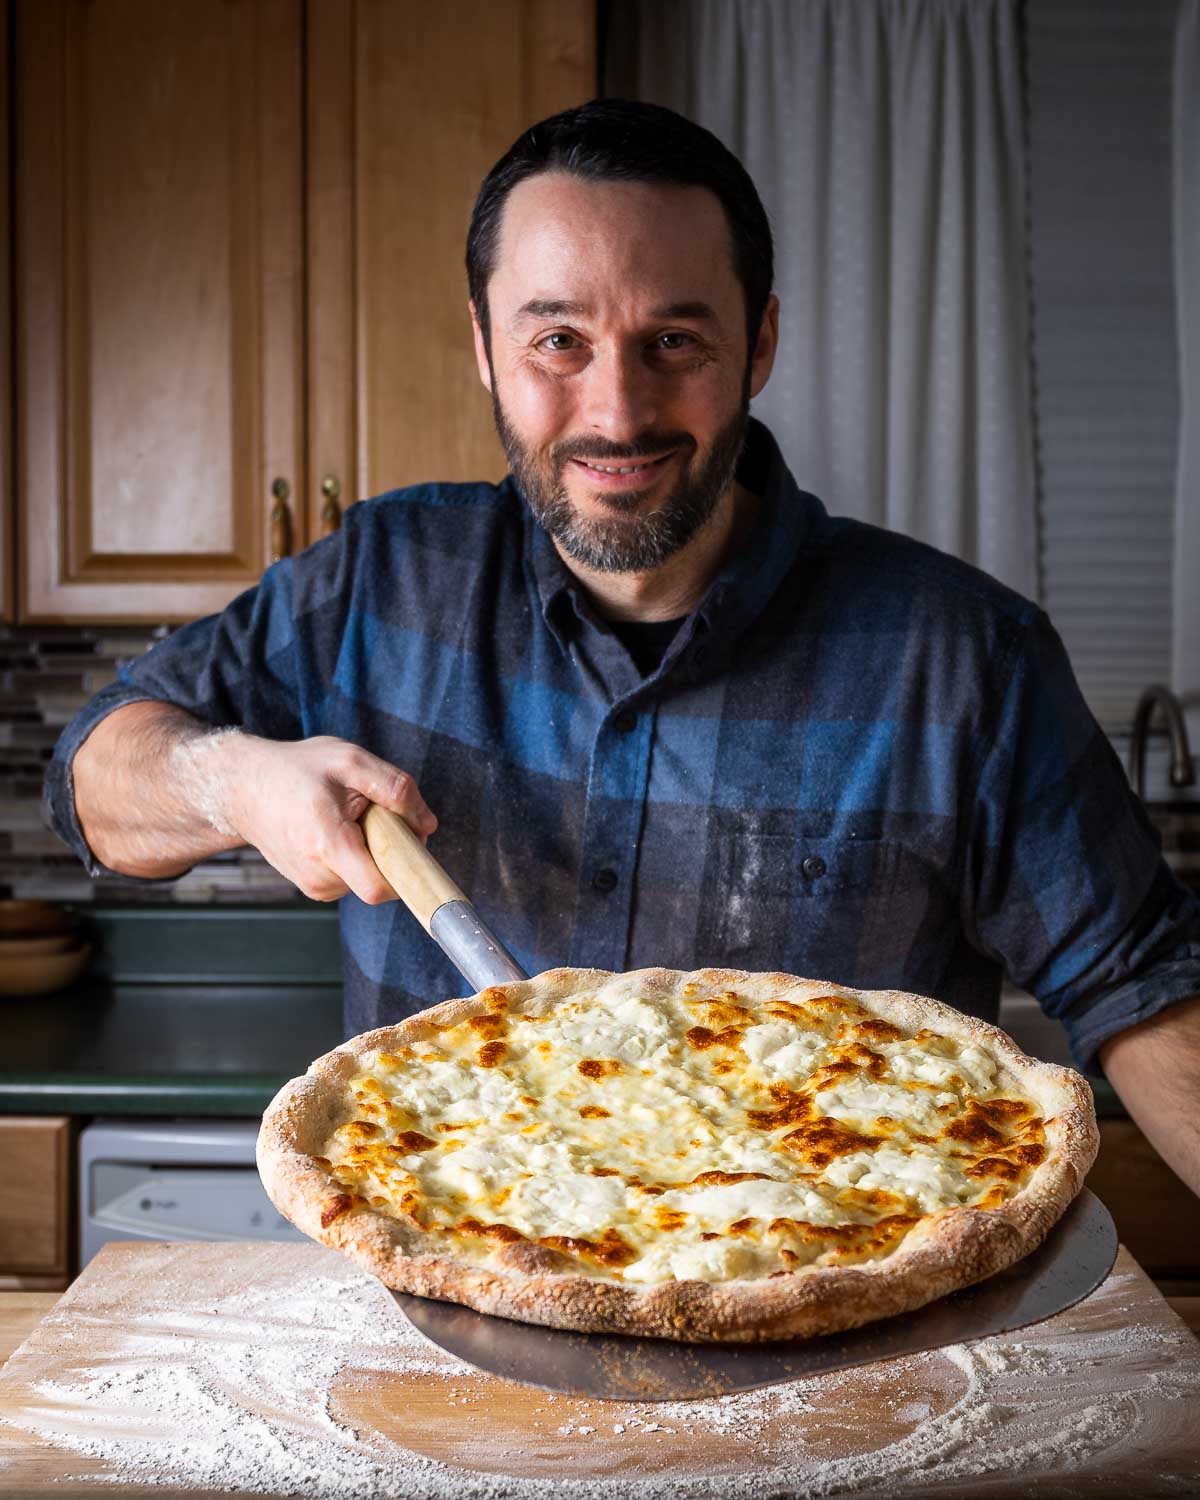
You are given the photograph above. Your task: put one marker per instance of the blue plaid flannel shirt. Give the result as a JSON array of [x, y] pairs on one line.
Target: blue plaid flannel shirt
[[859, 760]]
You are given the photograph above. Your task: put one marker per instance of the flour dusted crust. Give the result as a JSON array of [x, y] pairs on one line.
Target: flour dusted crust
[[1029, 1135]]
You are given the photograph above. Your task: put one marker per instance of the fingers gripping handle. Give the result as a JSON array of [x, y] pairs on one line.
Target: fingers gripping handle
[[436, 902], [406, 864]]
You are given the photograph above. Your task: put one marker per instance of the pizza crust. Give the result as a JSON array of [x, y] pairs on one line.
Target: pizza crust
[[952, 1248]]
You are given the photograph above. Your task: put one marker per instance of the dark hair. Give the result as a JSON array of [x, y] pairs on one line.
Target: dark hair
[[623, 140]]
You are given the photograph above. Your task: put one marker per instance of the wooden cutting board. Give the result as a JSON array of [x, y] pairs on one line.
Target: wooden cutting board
[[291, 1346]]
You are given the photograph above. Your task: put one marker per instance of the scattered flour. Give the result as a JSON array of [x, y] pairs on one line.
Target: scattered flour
[[234, 1392]]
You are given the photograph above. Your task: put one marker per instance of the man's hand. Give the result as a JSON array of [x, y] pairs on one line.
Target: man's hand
[[1155, 1067], [156, 790], [299, 805]]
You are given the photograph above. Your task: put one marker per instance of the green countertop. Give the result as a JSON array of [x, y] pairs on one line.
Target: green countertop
[[162, 1049], [192, 1011]]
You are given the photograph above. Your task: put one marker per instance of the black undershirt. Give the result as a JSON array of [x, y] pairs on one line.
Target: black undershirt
[[646, 640]]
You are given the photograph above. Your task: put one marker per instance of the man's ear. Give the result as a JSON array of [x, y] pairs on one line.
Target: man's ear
[[762, 356], [481, 357]]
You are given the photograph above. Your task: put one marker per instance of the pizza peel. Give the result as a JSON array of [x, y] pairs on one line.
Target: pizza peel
[[1071, 1263]]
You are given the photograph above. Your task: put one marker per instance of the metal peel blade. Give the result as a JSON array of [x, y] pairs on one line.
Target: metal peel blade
[[1075, 1258]]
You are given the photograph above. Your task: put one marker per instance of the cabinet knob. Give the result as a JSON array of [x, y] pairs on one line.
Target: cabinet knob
[[331, 511], [281, 520]]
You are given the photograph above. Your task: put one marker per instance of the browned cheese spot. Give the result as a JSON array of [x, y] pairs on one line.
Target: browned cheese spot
[[394, 1059], [491, 1054], [335, 1208], [863, 1058], [994, 1166], [819, 1141], [993, 1198], [512, 1114], [528, 1099], [973, 1129], [544, 1048], [708, 1235], [1005, 1111], [834, 1005], [609, 1250], [723, 1179], [363, 1129], [743, 1226], [598, 1067], [668, 1218], [503, 1234], [594, 1112], [495, 1000], [873, 1031], [487, 1027], [604, 1172], [722, 1010], [413, 1140], [701, 1038], [793, 1109], [785, 1010], [458, 1125], [788, 1257]]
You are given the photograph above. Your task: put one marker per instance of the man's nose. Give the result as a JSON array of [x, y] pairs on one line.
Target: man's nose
[[621, 401]]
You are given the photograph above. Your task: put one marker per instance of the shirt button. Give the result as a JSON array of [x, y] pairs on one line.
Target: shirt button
[[625, 721], [813, 867], [604, 881]]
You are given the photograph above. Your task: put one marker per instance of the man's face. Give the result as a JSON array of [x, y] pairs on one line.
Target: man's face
[[619, 369]]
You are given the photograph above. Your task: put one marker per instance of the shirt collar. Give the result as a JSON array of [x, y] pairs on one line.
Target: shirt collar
[[786, 519]]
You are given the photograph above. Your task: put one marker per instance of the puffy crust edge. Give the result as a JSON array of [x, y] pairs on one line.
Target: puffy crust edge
[[949, 1250]]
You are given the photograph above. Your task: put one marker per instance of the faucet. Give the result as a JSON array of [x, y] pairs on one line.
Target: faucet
[[1181, 773]]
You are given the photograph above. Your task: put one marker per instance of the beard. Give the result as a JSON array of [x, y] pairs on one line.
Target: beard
[[625, 542]]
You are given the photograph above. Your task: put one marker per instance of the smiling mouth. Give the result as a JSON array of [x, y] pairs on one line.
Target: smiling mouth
[[638, 467]]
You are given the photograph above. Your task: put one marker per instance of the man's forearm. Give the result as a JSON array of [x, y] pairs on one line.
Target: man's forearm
[[1155, 1067], [148, 790]]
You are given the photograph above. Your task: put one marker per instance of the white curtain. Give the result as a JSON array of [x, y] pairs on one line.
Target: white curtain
[[885, 137], [1186, 170]]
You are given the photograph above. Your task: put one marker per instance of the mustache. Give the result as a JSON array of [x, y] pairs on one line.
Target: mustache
[[649, 445]]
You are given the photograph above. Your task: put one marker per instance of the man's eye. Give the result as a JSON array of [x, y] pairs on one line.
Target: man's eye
[[559, 343], [674, 340]]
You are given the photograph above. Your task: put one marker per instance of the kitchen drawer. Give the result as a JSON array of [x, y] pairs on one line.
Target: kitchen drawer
[[37, 1156]]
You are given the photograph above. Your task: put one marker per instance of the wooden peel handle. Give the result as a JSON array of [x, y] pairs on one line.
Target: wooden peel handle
[[407, 865]]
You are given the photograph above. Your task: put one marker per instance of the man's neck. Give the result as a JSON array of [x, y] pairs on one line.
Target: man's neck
[[677, 586]]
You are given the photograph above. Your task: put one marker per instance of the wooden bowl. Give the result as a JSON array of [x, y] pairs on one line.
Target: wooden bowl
[[43, 973], [34, 919], [32, 947]]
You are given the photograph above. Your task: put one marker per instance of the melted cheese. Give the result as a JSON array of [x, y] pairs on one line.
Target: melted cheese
[[702, 1136]]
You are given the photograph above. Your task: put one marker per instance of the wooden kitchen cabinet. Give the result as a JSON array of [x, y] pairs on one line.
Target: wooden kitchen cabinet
[[37, 1214], [1157, 1215], [240, 296], [7, 533]]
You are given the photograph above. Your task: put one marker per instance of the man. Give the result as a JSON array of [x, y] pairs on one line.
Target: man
[[667, 709]]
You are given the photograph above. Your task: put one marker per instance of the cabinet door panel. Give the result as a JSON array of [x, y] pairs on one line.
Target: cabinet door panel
[[419, 101], [35, 1203], [159, 283]]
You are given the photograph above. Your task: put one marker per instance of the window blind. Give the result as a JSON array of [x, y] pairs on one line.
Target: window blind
[[1103, 334]]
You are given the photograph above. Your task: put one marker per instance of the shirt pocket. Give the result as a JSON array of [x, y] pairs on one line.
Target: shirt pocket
[[869, 913]]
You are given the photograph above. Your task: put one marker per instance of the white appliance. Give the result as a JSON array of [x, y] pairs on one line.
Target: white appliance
[[180, 1179]]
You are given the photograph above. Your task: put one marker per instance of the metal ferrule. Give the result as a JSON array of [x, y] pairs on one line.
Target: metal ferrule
[[472, 947]]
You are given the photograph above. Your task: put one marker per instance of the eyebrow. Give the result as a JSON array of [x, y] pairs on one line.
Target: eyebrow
[[540, 307]]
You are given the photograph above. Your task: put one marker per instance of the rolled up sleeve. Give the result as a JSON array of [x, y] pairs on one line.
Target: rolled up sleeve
[[1065, 882]]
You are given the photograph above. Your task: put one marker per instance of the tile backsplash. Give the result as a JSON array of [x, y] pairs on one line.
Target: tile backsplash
[[46, 673]]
